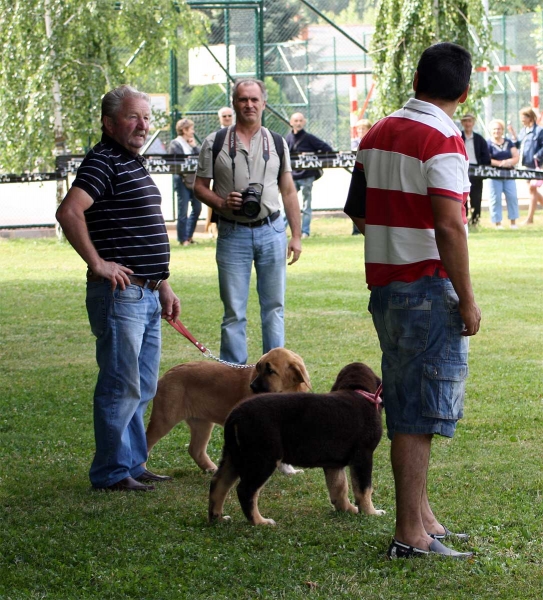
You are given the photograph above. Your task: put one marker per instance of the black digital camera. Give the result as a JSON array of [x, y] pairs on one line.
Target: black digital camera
[[251, 197]]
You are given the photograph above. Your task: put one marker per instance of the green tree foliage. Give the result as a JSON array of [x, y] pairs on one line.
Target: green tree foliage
[[85, 51], [406, 27], [513, 7], [349, 12]]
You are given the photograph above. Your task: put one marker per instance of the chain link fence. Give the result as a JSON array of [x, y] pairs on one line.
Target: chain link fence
[[518, 43], [310, 50], [307, 63], [307, 52]]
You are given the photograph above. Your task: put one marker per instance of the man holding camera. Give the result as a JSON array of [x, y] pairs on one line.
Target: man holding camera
[[248, 173]]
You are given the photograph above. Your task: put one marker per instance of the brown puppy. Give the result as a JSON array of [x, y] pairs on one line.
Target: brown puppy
[[308, 430], [203, 393]]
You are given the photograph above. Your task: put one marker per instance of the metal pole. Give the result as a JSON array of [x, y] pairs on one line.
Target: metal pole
[[487, 101], [504, 40], [330, 22], [174, 99], [259, 13], [307, 86], [227, 42], [336, 97]]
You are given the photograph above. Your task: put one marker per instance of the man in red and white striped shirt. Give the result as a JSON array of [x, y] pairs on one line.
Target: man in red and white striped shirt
[[407, 197]]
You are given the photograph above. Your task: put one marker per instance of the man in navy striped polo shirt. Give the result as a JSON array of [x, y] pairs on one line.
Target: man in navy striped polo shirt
[[112, 217]]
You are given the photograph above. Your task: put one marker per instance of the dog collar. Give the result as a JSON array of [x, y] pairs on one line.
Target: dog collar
[[373, 398]]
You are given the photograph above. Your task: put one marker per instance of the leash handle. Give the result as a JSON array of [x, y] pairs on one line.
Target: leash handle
[[178, 326]]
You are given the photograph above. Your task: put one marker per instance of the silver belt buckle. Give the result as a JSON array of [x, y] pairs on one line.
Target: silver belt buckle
[[158, 284]]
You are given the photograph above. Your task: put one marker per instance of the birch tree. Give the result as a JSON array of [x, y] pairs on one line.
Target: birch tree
[[59, 57], [404, 28]]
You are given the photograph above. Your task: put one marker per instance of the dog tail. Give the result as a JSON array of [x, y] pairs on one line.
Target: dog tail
[[232, 443]]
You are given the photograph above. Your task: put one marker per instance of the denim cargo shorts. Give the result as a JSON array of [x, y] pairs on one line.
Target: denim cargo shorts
[[425, 357]]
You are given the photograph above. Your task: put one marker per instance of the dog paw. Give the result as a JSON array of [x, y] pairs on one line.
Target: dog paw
[[219, 519], [270, 522], [288, 469], [223, 519]]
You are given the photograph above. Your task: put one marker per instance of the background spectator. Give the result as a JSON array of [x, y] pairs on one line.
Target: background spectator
[[504, 155], [185, 143], [226, 115], [477, 150], [299, 140], [362, 127], [530, 142]]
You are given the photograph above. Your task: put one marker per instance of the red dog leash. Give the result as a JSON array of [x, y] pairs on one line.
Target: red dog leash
[[178, 326], [373, 398]]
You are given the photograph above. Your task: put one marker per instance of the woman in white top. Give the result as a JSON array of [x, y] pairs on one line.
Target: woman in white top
[[185, 143]]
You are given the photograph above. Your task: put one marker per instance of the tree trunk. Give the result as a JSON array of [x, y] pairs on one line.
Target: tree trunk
[[60, 141]]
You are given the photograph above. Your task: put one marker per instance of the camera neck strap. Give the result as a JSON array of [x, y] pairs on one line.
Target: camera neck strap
[[232, 153]]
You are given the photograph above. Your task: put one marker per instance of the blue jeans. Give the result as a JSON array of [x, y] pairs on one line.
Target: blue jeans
[[424, 362], [509, 188], [186, 227], [238, 247], [127, 329], [306, 185]]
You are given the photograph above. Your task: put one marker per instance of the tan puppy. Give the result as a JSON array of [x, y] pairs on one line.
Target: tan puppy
[[203, 393]]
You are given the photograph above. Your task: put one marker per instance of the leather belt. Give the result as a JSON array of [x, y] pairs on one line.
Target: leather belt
[[271, 218], [150, 284]]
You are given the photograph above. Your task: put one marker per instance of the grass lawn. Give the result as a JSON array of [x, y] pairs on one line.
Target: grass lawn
[[60, 540]]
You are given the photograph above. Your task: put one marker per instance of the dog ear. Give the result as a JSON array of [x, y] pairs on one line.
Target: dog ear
[[300, 374]]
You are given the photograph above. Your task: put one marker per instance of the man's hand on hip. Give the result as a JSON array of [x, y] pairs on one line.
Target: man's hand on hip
[[117, 274]]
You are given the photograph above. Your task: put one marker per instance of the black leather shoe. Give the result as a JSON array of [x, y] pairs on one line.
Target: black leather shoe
[[399, 550], [128, 484], [464, 537], [148, 476]]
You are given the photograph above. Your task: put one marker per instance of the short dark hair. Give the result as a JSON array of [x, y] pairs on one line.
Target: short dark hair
[[444, 71]]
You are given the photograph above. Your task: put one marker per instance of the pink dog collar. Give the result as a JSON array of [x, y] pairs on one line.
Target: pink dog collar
[[373, 398]]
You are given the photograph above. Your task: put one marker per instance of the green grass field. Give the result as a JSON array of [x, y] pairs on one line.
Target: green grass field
[[60, 540]]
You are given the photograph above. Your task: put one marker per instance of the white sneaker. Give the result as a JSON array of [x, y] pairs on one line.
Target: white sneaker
[[514, 227], [305, 235]]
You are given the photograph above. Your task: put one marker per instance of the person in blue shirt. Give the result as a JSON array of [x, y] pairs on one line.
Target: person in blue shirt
[[503, 155]]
